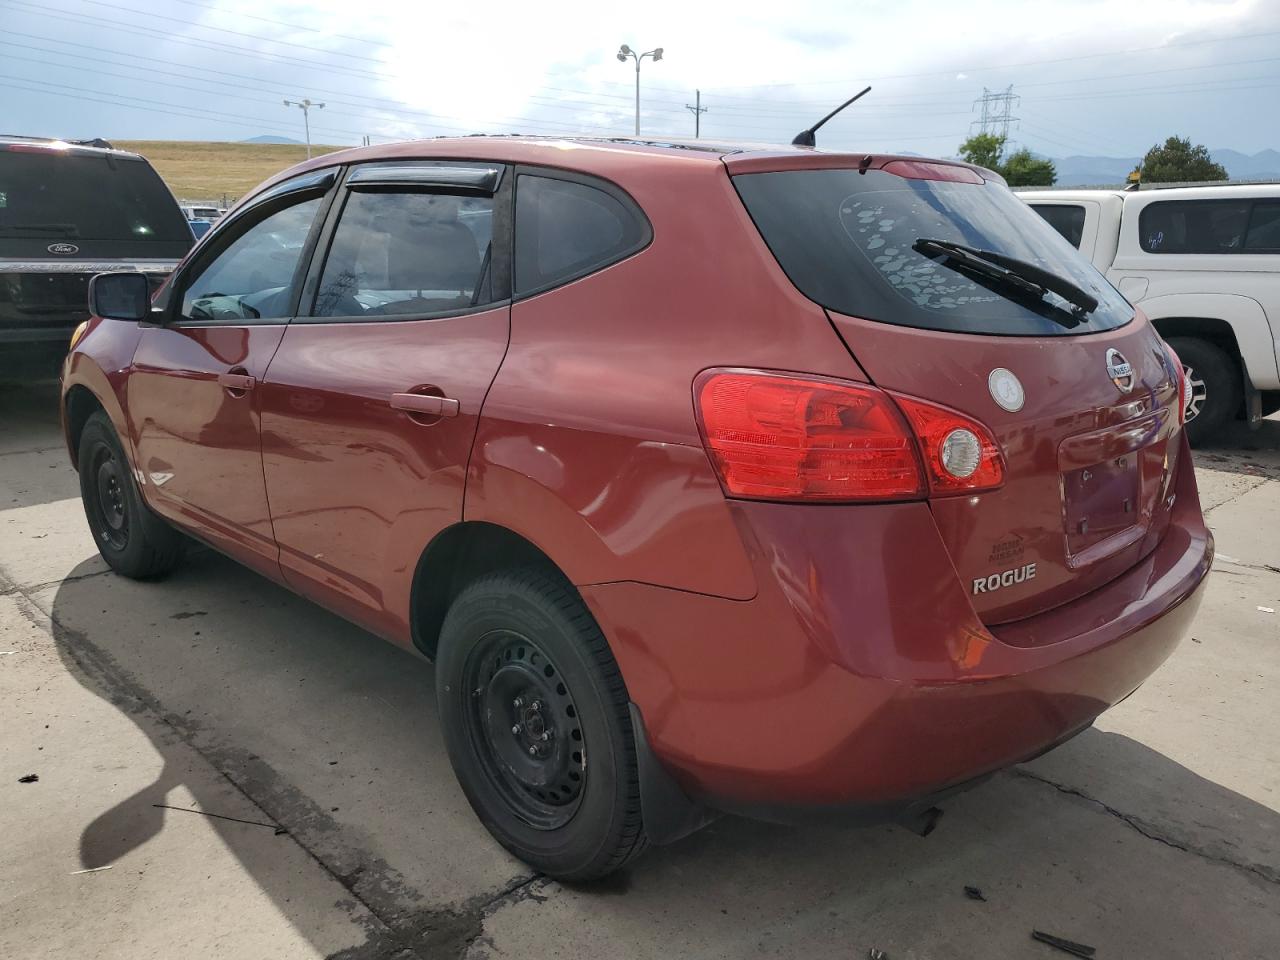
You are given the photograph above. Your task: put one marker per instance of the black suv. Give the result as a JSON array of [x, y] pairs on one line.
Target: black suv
[[69, 210]]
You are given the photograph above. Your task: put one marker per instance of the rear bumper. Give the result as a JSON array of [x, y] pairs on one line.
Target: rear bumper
[[859, 680]]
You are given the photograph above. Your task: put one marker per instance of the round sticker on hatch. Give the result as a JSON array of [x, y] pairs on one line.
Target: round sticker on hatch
[[1006, 389]]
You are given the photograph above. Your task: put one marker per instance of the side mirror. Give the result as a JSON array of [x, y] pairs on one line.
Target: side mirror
[[120, 296]]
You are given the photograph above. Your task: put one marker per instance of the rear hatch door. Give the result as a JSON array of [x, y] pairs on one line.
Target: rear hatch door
[[1082, 402]]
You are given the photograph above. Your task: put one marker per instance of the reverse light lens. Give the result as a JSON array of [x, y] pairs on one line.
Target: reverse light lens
[[961, 453], [950, 442], [778, 437]]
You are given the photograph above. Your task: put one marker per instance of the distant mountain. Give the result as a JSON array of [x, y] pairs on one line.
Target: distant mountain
[[1080, 171], [271, 138]]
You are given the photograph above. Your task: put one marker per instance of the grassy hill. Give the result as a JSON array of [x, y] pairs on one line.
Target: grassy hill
[[206, 171]]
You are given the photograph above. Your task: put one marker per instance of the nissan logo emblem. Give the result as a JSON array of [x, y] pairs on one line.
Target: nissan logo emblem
[[1119, 370]]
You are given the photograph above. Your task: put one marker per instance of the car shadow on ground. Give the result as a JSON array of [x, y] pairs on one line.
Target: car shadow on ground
[[333, 734]]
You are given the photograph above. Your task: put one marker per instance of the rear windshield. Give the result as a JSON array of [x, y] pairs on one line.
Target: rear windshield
[[846, 241], [47, 195]]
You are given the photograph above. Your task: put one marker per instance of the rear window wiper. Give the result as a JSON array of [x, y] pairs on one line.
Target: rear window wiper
[[1018, 273]]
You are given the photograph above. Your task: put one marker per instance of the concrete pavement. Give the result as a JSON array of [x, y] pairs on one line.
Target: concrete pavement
[[340, 830]]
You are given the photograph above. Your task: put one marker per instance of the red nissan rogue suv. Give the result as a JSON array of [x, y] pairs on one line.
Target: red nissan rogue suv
[[782, 482]]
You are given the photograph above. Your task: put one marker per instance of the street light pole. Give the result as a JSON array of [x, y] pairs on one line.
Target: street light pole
[[306, 106], [625, 51]]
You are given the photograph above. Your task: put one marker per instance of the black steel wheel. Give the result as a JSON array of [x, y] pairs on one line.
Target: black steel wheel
[[132, 539], [528, 690], [523, 726], [108, 508]]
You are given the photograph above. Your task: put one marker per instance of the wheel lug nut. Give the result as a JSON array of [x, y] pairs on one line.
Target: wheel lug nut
[[546, 735], [516, 728], [518, 702], [536, 705], [533, 751]]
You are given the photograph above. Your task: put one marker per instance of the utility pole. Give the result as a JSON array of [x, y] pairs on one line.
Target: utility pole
[[997, 111], [625, 51], [698, 110], [306, 106]]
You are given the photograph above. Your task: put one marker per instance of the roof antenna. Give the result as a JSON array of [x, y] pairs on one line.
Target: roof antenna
[[805, 138]]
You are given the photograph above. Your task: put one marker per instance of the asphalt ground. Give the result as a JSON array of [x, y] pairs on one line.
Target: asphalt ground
[[330, 824]]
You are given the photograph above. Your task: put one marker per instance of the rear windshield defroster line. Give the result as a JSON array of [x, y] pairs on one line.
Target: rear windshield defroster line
[[845, 239]]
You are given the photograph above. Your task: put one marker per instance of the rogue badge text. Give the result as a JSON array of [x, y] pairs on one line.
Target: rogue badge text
[[1009, 577]]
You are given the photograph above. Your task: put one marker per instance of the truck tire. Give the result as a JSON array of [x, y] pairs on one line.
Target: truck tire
[[1214, 387]]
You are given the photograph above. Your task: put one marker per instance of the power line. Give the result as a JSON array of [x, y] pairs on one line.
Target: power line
[[1012, 66]]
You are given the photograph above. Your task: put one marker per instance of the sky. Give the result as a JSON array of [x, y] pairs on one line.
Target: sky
[[1092, 76]]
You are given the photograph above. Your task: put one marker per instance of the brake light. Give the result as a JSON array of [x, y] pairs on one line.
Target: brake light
[[1179, 373], [779, 437], [960, 454], [774, 436]]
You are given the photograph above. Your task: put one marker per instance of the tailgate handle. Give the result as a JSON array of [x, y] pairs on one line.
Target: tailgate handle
[[425, 403]]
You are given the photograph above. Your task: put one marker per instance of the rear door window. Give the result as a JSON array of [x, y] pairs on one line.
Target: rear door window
[[1193, 226], [1066, 218], [848, 241], [566, 229], [404, 253]]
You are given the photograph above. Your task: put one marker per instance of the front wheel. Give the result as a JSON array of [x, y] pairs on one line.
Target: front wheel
[[535, 718], [1213, 387], [132, 539]]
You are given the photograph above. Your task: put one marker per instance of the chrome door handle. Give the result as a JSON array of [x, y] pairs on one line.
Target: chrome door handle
[[425, 403], [236, 381]]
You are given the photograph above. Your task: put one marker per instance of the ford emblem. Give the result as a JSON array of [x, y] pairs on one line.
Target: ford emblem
[[63, 249]]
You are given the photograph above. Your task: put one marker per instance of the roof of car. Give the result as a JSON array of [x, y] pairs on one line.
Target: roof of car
[[602, 155], [86, 148]]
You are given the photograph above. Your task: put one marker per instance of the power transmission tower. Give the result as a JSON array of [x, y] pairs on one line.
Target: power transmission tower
[[697, 109], [997, 111]]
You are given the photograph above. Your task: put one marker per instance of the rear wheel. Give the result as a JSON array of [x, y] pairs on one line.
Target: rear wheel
[[528, 689], [1214, 389], [132, 539]]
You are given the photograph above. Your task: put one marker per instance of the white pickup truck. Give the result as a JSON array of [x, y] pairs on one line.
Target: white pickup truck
[[1204, 264]]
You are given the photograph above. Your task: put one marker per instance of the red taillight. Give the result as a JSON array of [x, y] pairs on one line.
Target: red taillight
[[775, 436], [960, 454], [1179, 373], [778, 437]]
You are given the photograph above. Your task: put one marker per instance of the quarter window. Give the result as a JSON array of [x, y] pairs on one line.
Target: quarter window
[[1264, 227], [566, 229], [1194, 226], [1066, 218], [407, 253], [252, 279]]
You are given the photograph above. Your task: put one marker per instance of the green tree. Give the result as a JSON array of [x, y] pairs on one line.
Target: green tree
[[983, 150], [1021, 168], [1025, 169], [1177, 161]]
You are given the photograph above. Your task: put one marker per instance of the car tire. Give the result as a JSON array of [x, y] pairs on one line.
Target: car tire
[[133, 540], [520, 657], [1215, 387]]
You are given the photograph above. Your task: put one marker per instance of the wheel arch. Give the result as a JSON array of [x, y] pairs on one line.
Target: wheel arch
[[1236, 324], [79, 403], [457, 556]]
